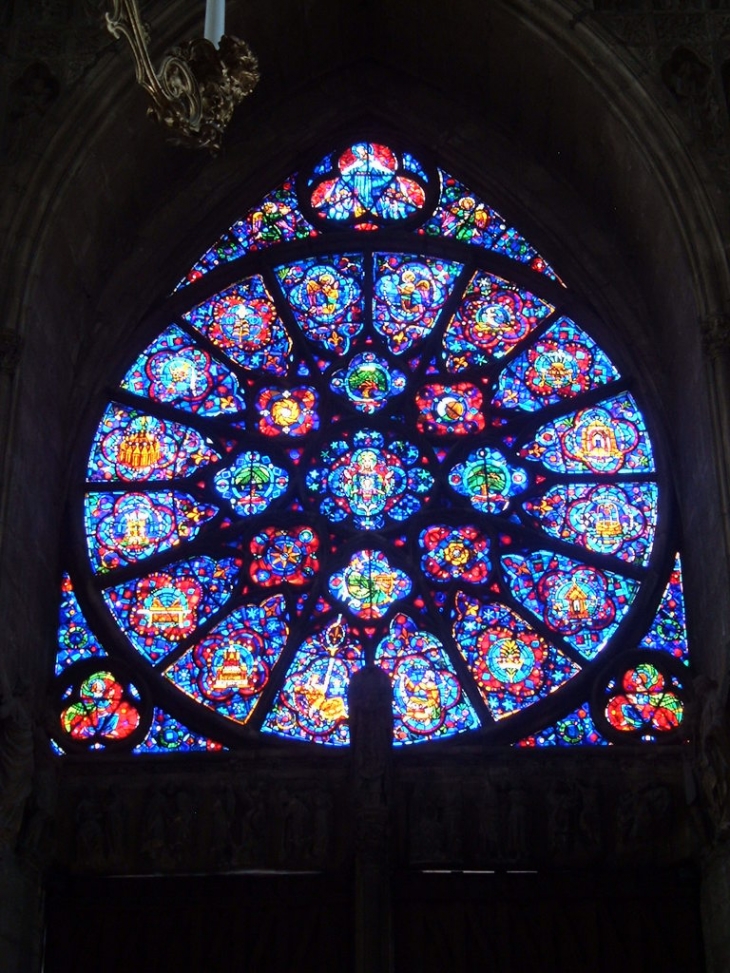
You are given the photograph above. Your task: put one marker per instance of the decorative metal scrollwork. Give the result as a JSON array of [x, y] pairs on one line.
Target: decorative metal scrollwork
[[197, 87]]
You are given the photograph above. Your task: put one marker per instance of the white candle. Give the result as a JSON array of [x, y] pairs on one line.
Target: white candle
[[215, 20]]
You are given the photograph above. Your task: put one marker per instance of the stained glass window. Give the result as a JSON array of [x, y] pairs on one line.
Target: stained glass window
[[383, 438]]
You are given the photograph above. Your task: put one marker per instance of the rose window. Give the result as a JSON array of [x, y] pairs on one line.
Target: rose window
[[381, 438]]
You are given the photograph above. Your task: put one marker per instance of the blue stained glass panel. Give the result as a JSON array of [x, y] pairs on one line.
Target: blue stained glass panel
[[645, 700], [462, 215], [560, 364], [413, 165], [585, 605], [322, 167], [325, 294], [367, 185], [244, 323], [428, 700], [228, 670], [575, 730], [493, 317], [284, 555], [275, 220], [367, 482], [312, 704], [450, 409], [488, 480], [168, 735], [512, 665], [513, 245], [455, 553], [606, 438], [410, 293], [608, 518], [287, 412], [668, 632], [130, 445], [159, 609], [369, 584], [174, 370], [100, 709], [76, 641], [252, 483], [123, 528], [368, 382]]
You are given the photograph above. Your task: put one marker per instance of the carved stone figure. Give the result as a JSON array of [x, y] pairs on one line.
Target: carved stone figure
[[711, 754], [40, 808], [154, 827], [296, 828], [16, 763], [89, 833], [516, 845], [691, 82], [565, 805]]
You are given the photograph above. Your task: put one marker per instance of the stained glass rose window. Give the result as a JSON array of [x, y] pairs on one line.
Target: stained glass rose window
[[384, 438]]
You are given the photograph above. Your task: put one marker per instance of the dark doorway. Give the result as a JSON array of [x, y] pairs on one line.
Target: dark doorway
[[301, 923]]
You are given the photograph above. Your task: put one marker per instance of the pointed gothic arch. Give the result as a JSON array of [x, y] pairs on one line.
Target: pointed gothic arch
[[369, 427]]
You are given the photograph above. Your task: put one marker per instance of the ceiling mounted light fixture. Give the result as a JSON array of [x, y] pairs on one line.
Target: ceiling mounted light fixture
[[200, 82]]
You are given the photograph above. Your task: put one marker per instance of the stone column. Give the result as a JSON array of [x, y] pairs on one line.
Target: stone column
[[371, 727]]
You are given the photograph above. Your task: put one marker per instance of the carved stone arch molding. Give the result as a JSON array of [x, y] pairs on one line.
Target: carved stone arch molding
[[546, 116]]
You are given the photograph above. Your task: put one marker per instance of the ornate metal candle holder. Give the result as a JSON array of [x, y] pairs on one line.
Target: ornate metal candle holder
[[197, 87]]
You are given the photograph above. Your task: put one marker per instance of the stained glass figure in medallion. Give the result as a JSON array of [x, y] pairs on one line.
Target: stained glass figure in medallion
[[369, 584], [132, 446], [462, 215], [493, 317], [562, 363], [645, 700], [100, 709], [287, 412], [251, 483], [488, 480], [276, 219], [428, 700], [326, 297], [174, 370], [455, 553], [410, 292], [450, 409], [312, 704], [608, 518], [512, 665], [369, 185], [160, 609], [582, 603], [607, 438], [366, 482], [229, 668], [244, 322], [123, 528], [284, 555]]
